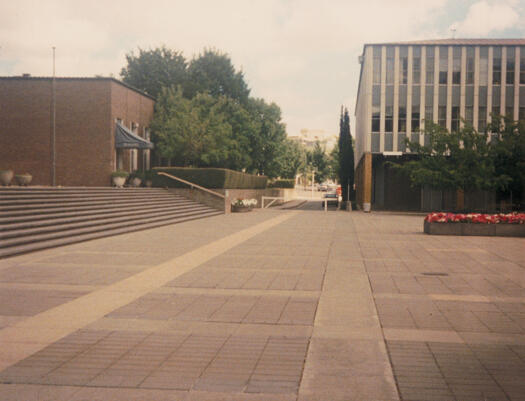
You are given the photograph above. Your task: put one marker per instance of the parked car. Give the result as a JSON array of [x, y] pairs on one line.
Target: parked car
[[332, 198]]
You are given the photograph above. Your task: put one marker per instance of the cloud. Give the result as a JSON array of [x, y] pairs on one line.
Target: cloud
[[485, 17], [301, 54]]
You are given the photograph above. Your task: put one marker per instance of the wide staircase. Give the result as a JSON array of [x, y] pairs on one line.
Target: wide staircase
[[38, 217]]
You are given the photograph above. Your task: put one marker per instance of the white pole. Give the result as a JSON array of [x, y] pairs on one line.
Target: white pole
[[313, 177], [53, 136]]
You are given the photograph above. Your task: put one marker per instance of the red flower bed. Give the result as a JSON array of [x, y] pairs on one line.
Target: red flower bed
[[510, 218]]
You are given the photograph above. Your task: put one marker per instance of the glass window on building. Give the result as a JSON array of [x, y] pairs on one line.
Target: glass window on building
[[511, 54], [401, 144], [377, 65], [375, 143], [389, 109], [389, 142], [403, 65], [496, 100], [496, 66], [455, 109], [482, 111], [469, 78], [442, 106], [522, 66], [416, 65], [483, 65], [443, 65], [416, 94], [429, 69], [376, 107], [429, 103], [456, 65], [521, 115], [390, 65], [509, 101]]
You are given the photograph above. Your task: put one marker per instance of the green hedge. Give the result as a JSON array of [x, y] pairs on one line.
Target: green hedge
[[282, 184], [209, 178]]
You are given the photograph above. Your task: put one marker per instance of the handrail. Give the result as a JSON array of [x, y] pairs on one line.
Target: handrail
[[191, 184]]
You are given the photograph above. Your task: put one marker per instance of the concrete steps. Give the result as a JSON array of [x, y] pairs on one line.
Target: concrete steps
[[36, 218]]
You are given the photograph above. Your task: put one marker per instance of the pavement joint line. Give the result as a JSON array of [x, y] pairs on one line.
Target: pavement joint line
[[239, 291], [35, 333], [50, 286]]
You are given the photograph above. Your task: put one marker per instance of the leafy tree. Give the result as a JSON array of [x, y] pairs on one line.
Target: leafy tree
[[333, 163], [291, 159], [346, 157], [267, 137], [320, 162], [457, 160], [507, 149], [153, 69], [193, 132], [213, 73]]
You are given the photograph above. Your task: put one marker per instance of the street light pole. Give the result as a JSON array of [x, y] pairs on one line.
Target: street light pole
[[53, 124]]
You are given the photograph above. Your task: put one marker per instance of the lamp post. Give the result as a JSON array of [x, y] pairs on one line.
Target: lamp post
[[53, 125]]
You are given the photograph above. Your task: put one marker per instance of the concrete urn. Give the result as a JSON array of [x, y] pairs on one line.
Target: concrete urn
[[6, 176]]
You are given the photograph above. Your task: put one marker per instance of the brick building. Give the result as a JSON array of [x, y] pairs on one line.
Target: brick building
[[101, 125]]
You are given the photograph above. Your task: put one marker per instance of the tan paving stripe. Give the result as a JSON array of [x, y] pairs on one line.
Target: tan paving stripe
[[33, 334], [440, 336], [450, 297]]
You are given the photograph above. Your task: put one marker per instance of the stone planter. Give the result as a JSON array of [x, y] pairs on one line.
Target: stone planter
[[23, 179], [118, 181], [241, 209], [6, 176], [474, 229], [135, 182]]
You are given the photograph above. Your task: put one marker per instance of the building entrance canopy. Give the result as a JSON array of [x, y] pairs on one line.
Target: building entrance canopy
[[125, 139]]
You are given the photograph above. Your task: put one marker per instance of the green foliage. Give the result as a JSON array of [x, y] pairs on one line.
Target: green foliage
[[457, 160], [267, 137], [282, 184], [346, 157], [508, 152], [204, 115], [209, 178], [120, 173], [212, 72], [151, 70], [319, 161], [290, 158]]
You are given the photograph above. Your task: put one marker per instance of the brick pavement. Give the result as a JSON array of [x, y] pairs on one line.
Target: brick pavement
[[271, 305]]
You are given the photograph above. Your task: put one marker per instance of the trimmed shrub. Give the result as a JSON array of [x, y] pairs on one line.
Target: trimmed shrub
[[282, 184], [209, 178]]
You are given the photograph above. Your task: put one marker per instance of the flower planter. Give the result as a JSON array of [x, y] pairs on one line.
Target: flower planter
[[475, 229], [241, 209], [6, 176], [23, 179], [118, 181], [135, 182]]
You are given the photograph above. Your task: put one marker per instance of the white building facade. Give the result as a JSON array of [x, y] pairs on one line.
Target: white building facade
[[404, 84]]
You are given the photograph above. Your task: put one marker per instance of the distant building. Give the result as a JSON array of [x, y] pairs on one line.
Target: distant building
[[101, 125], [403, 84], [308, 138]]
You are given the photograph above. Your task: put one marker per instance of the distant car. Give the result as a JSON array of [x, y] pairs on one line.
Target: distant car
[[332, 198], [323, 188]]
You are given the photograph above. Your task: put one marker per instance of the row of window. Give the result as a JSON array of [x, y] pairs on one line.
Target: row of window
[[443, 65]]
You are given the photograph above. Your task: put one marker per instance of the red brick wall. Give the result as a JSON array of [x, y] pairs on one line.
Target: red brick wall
[[85, 127]]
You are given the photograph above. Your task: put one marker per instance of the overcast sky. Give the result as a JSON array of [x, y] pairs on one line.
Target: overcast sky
[[301, 54]]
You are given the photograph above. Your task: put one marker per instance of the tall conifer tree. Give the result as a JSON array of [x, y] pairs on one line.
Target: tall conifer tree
[[346, 157]]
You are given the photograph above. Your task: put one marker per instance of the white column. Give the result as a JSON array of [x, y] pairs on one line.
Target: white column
[[463, 86], [436, 83], [423, 90], [516, 83], [383, 100], [396, 99], [476, 88]]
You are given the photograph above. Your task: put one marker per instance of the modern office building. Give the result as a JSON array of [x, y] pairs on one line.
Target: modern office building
[[404, 84]]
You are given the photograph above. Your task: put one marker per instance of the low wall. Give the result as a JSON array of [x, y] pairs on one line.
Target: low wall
[[231, 194], [473, 229]]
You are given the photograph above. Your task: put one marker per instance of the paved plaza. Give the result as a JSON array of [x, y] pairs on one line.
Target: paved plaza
[[273, 305]]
